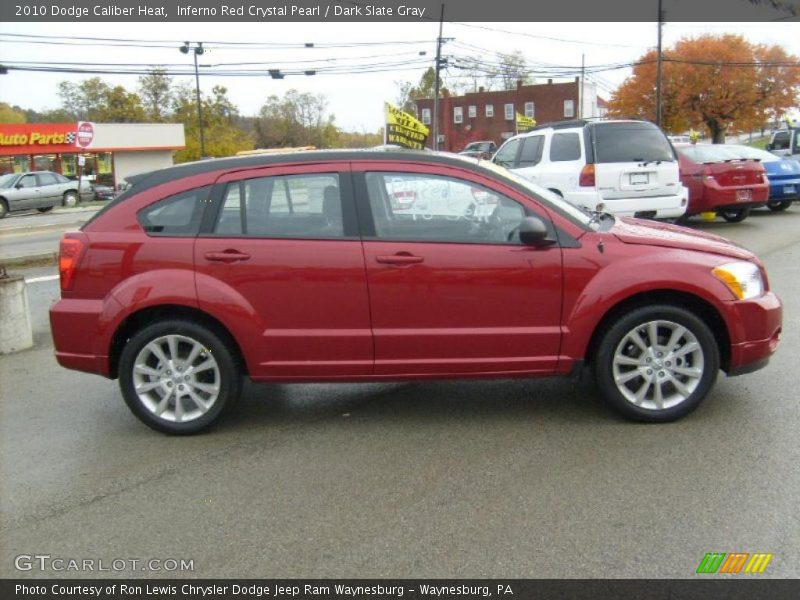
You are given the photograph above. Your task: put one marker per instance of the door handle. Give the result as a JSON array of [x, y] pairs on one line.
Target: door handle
[[399, 259], [228, 256]]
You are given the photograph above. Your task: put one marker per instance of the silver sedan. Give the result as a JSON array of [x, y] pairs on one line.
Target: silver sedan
[[40, 190]]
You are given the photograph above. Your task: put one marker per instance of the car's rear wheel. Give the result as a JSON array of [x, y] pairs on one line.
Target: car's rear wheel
[[178, 377], [45, 209], [656, 363], [735, 215], [71, 198], [779, 206], [3, 208]]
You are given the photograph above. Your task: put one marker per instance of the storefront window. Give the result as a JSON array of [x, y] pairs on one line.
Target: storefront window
[[44, 162], [21, 164], [6, 165], [104, 163], [69, 165]]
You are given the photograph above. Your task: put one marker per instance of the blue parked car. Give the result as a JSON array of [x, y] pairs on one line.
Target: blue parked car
[[783, 175]]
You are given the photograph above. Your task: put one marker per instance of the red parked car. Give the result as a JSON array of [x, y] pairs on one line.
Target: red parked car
[[720, 180], [298, 268]]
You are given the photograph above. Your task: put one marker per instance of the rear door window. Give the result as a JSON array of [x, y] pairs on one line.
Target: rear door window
[[565, 146], [781, 141], [630, 142], [283, 206], [531, 153], [47, 179]]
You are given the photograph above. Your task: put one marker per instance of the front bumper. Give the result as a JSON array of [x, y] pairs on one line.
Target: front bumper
[[757, 334]]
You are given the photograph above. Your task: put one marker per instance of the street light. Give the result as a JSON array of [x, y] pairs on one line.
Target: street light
[[197, 51]]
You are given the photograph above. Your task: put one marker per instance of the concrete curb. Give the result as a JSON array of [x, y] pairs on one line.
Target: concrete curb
[[32, 260]]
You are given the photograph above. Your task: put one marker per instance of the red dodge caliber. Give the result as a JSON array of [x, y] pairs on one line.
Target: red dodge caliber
[[316, 267]]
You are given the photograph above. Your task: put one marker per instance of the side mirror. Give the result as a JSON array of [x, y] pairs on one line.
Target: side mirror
[[769, 146], [533, 232], [18, 185]]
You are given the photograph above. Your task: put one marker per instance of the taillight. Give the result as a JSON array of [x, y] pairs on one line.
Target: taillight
[[587, 176], [707, 174], [70, 252]]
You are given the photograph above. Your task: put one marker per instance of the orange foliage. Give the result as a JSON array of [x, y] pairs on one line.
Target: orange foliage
[[697, 91]]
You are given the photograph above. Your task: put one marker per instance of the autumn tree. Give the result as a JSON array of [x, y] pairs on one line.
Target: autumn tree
[[712, 81], [11, 114], [425, 88], [512, 67]]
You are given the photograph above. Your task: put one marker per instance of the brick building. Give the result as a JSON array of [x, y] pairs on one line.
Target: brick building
[[486, 115]]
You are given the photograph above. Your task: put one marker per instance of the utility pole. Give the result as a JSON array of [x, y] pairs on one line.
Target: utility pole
[[436, 84], [197, 51], [658, 65]]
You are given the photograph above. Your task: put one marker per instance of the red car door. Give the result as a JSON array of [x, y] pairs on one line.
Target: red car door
[[284, 260], [452, 290]]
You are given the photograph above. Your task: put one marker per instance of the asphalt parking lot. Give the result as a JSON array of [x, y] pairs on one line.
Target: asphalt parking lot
[[510, 479]]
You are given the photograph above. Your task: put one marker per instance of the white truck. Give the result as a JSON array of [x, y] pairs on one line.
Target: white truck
[[786, 143]]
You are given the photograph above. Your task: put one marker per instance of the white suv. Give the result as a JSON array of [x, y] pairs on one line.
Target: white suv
[[622, 167]]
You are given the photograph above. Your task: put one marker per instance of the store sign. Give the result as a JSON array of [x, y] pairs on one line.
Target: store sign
[[85, 134], [34, 138]]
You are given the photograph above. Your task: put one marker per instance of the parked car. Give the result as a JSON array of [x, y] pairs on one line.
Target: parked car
[[104, 193], [299, 268], [40, 190], [723, 180], [485, 149], [679, 139], [625, 168], [785, 143], [783, 175]]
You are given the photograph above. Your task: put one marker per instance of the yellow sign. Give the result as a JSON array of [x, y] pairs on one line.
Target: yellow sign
[[404, 130], [525, 123]]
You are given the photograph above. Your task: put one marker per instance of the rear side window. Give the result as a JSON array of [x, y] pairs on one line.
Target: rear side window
[[178, 215], [630, 142], [47, 179], [565, 146], [531, 153], [506, 156], [284, 206]]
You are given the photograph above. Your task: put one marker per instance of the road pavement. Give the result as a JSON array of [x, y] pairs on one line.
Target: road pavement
[[429, 479], [34, 234]]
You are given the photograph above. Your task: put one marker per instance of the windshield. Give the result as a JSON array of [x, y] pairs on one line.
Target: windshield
[[630, 142], [7, 180], [549, 197]]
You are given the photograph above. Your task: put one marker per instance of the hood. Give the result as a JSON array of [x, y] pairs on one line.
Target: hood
[[653, 233]]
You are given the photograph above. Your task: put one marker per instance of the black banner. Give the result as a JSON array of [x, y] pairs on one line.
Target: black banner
[[438, 589], [398, 10]]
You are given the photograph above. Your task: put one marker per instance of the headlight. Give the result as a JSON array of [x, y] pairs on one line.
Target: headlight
[[742, 278]]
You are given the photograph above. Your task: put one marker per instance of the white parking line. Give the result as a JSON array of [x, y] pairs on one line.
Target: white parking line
[[41, 279]]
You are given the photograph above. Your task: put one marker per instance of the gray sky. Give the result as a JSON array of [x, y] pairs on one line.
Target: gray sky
[[355, 99]]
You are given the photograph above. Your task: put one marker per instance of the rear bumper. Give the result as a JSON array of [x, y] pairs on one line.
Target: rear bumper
[[80, 331], [665, 207], [718, 198], [758, 334]]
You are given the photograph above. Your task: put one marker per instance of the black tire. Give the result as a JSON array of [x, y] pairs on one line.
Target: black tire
[[735, 215], [3, 208], [71, 199], [214, 347], [779, 206], [45, 209], [683, 220], [705, 361]]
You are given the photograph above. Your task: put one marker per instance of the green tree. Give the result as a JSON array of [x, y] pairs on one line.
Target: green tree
[[120, 106], [220, 116], [83, 100], [425, 88], [156, 91]]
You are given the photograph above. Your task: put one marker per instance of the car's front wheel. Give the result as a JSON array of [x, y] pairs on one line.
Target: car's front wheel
[[178, 377], [779, 206], [656, 363]]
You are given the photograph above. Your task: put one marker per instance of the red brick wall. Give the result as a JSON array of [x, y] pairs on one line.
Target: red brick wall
[[548, 99]]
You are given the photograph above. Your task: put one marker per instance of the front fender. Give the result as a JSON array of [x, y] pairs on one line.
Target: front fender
[[618, 278]]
